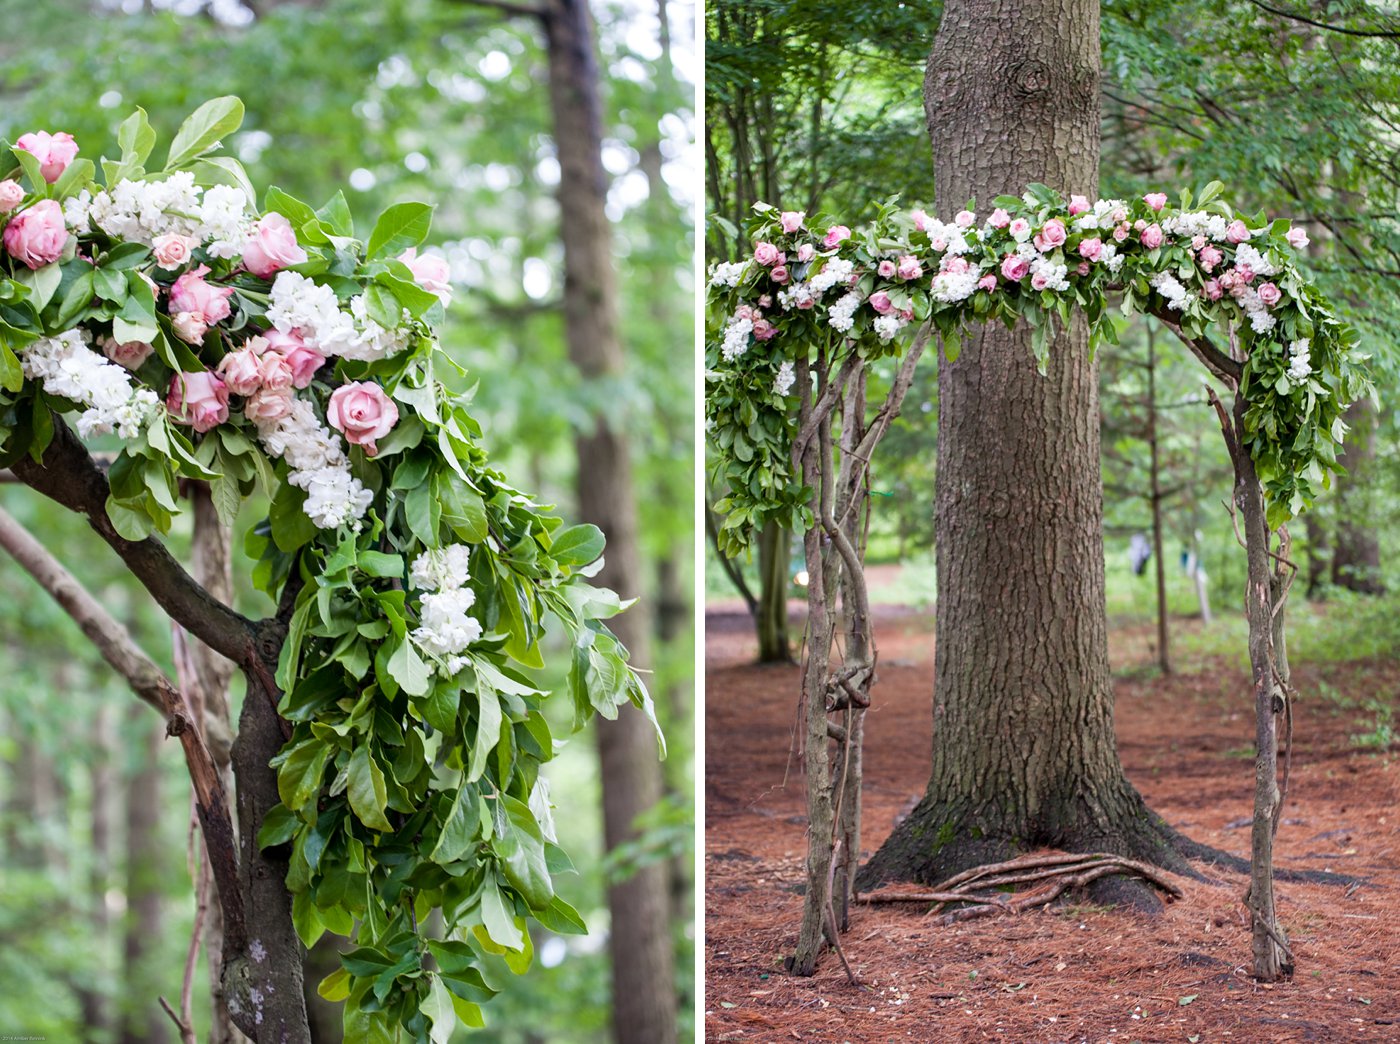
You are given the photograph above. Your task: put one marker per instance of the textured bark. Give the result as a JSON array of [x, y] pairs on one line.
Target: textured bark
[[1156, 497], [142, 1020], [770, 615], [644, 999], [1024, 749], [1356, 559]]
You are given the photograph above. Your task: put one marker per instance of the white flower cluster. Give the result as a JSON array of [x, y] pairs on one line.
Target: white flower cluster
[[787, 377], [728, 273], [1110, 258], [1257, 262], [313, 310], [444, 629], [956, 286], [318, 464], [887, 326], [950, 238], [1053, 273], [736, 338], [836, 273], [1258, 312], [841, 315], [1301, 364], [139, 211], [1196, 223], [799, 295], [67, 367], [1167, 285]]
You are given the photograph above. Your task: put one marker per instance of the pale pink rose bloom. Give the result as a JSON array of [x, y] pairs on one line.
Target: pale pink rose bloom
[[909, 268], [938, 243], [766, 254], [271, 246], [1237, 232], [964, 219], [907, 315], [190, 327], [1239, 290], [190, 293], [53, 151], [921, 219], [886, 269], [1270, 294], [276, 371], [1152, 237], [880, 301], [1210, 257], [999, 218], [806, 252], [36, 237], [172, 251], [1019, 227], [779, 273], [765, 300], [241, 371], [1155, 200], [1139, 224], [1083, 268], [1118, 215], [792, 220], [1227, 280], [987, 282], [1120, 233], [1091, 249], [835, 235], [1014, 268], [763, 330], [1244, 274], [362, 413], [745, 312], [1053, 232], [806, 303], [268, 405], [1077, 205], [431, 272], [11, 195], [1211, 289], [956, 265], [1297, 238], [1039, 281], [1198, 242], [129, 355], [198, 399]]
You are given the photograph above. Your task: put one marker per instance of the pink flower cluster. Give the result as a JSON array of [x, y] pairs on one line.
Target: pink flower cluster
[[196, 305], [266, 370]]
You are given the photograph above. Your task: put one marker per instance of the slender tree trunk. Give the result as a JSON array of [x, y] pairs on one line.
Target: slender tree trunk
[[772, 619], [1155, 494], [1356, 560], [1024, 749], [94, 998], [644, 999], [142, 1020], [1319, 551]]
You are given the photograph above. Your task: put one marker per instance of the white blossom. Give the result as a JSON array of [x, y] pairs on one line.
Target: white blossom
[[441, 569], [955, 286], [836, 273], [317, 463], [841, 315], [887, 326], [799, 295], [1301, 365], [787, 377], [728, 273], [1196, 223], [68, 368], [1167, 285], [736, 338], [1257, 262]]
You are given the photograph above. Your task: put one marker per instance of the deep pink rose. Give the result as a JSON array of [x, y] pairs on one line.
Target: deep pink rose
[[909, 268], [779, 274], [271, 247], [268, 405], [1014, 268], [362, 413], [1152, 237], [275, 371], [1078, 205], [763, 330], [1270, 294], [11, 195], [303, 360], [1210, 257], [806, 252], [172, 251], [36, 237], [53, 151], [1091, 249], [1155, 200], [241, 371], [1297, 238], [130, 355], [880, 301], [987, 282], [198, 399], [1237, 232], [792, 220], [431, 272], [999, 218], [1212, 289], [965, 219], [1039, 281], [835, 235], [766, 254]]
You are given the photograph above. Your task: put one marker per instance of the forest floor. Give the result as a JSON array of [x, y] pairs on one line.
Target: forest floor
[[1074, 972]]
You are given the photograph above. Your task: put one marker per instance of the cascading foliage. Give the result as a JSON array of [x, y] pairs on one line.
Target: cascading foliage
[[275, 354], [815, 287]]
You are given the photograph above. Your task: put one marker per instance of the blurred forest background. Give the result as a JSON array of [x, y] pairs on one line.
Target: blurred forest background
[[439, 100], [1295, 107]]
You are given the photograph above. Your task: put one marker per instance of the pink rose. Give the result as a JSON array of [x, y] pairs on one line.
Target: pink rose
[[1053, 232], [744, 312], [765, 300], [779, 273], [198, 399], [1198, 242], [1039, 281], [431, 272], [302, 359], [1152, 237], [1296, 237], [190, 327], [964, 219], [999, 218], [1237, 232], [1139, 224], [192, 294], [172, 251], [909, 268], [987, 282], [1155, 200], [1270, 294], [806, 302], [1014, 268], [765, 254], [268, 405], [1244, 274], [1118, 215], [1019, 228], [53, 151], [11, 195], [241, 371], [275, 371], [1077, 205], [36, 237], [271, 246], [1120, 233], [1212, 289], [1083, 268], [835, 235], [1227, 279], [956, 265], [806, 252], [1210, 257], [362, 413], [792, 220], [129, 355], [938, 243], [920, 219], [880, 301], [1091, 249], [763, 330]]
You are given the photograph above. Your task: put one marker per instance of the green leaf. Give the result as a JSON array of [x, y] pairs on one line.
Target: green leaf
[[291, 528], [561, 918], [577, 545], [136, 139], [205, 128], [299, 776], [222, 170], [402, 226], [437, 1006], [11, 373], [293, 209], [335, 215], [462, 509], [521, 848], [43, 283], [488, 731], [278, 826], [335, 986], [498, 919], [408, 669], [129, 523], [459, 830], [367, 794], [306, 920]]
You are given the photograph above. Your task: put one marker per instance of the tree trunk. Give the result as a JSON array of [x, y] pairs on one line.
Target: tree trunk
[[1155, 493], [94, 999], [1356, 560], [1024, 749], [142, 1020], [771, 619], [644, 1004]]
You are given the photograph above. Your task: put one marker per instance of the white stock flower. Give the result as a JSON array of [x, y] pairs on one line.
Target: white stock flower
[[441, 569], [1167, 285], [68, 368], [1301, 365], [841, 315], [736, 338], [787, 377], [728, 273]]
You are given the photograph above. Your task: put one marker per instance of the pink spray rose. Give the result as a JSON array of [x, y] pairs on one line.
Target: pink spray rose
[[431, 272], [362, 413], [196, 305], [1198, 242], [241, 371], [1237, 232], [763, 330], [1077, 205], [880, 301], [765, 300], [1210, 257], [987, 282], [1039, 281], [1052, 234], [1155, 200], [1091, 249], [1014, 267], [1139, 224], [779, 274], [792, 220], [886, 269], [1244, 274], [129, 355], [271, 246], [1152, 236], [921, 219], [53, 151], [1019, 229], [835, 235], [766, 254], [1297, 238], [172, 251], [964, 219], [938, 243], [198, 399], [1270, 294], [303, 360], [1120, 233], [1211, 288], [11, 195], [909, 268], [999, 218], [956, 265], [275, 371], [37, 236], [806, 252], [268, 405], [1083, 268]]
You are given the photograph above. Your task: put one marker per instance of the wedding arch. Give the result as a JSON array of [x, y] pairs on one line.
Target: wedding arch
[[795, 328], [391, 739]]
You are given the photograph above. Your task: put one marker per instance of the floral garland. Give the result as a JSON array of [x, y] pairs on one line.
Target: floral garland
[[274, 352], [817, 285]]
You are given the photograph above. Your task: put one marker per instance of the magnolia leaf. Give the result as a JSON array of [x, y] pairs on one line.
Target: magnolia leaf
[[367, 795], [204, 129], [299, 776], [488, 731], [498, 919], [437, 1006], [460, 828], [577, 545], [11, 373], [521, 848], [402, 226], [335, 986], [407, 668]]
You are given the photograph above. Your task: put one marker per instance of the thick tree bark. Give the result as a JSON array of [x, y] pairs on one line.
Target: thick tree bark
[[143, 933], [644, 1004], [1356, 559], [1024, 749]]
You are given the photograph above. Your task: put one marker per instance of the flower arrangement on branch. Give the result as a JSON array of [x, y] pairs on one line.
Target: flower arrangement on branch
[[276, 354]]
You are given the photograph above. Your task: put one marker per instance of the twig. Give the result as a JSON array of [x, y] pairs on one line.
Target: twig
[[186, 1033]]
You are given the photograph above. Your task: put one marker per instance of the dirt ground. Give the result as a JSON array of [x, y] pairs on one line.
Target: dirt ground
[[1074, 973]]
